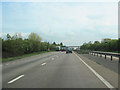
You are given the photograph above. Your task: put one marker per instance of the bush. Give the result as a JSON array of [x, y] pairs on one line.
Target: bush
[[108, 46], [15, 45]]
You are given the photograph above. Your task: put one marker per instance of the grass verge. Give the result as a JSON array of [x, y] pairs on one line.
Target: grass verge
[[22, 56]]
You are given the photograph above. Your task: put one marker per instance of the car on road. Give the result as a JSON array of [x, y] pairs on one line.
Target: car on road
[[63, 48], [68, 50]]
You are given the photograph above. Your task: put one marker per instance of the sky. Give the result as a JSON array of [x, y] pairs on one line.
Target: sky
[[72, 23]]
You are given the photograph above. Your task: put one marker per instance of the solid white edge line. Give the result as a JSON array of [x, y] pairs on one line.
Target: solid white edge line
[[100, 77], [43, 64], [16, 79]]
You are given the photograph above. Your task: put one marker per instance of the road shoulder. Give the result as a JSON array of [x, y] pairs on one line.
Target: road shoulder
[[107, 74]]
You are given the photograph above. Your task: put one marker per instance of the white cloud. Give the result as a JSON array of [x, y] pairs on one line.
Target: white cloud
[[59, 0], [67, 22]]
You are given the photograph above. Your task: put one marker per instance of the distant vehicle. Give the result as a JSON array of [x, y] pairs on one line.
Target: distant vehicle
[[68, 50], [57, 48], [63, 48]]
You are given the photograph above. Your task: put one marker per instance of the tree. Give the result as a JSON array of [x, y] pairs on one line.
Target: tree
[[0, 44], [35, 40], [110, 45], [8, 37], [96, 42], [89, 42], [34, 37], [118, 45], [106, 40], [54, 43], [15, 45], [85, 43], [61, 44], [16, 36]]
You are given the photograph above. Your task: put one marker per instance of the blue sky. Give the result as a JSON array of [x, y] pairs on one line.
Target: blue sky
[[72, 23]]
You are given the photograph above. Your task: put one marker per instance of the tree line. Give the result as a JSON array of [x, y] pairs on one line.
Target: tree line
[[106, 45], [15, 45]]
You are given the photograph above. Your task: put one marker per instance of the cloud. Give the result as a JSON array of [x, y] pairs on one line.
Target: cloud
[[60, 0], [71, 23]]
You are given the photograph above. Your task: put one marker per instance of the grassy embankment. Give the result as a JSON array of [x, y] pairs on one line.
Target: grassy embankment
[[22, 56]]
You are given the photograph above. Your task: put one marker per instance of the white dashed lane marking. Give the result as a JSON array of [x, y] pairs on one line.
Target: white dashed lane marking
[[16, 79], [7, 64], [43, 64], [52, 58]]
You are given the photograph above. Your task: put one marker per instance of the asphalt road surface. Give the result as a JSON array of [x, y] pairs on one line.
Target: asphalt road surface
[[112, 65], [52, 70]]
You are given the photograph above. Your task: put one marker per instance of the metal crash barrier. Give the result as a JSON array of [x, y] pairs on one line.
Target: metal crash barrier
[[105, 53]]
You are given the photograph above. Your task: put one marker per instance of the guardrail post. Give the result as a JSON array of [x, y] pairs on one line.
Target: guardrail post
[[105, 53], [111, 58], [105, 56]]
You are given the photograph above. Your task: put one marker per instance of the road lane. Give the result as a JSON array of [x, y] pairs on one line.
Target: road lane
[[99, 76], [105, 72], [112, 65], [65, 71], [11, 65], [13, 70]]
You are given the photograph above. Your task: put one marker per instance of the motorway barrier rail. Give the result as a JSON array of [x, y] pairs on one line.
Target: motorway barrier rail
[[106, 53]]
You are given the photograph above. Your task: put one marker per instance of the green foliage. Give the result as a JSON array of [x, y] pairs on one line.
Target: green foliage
[[34, 37], [54, 43], [22, 56], [16, 46], [13, 45], [61, 44], [107, 45]]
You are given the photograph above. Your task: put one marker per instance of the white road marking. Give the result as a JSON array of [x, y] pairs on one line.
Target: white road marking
[[7, 64], [16, 79], [43, 64], [52, 58], [100, 77]]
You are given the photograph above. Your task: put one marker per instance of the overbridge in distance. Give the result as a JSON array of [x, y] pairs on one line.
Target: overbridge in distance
[[74, 47]]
